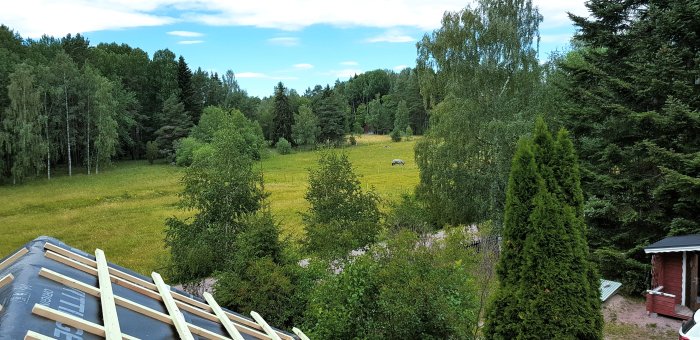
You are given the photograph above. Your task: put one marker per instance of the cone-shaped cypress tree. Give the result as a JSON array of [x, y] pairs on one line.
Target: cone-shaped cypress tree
[[545, 154], [566, 170], [548, 288], [546, 283], [523, 184]]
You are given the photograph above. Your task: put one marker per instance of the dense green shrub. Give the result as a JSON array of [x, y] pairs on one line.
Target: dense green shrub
[[263, 274], [283, 146], [305, 128], [224, 189], [403, 290], [215, 119], [395, 135], [409, 214]]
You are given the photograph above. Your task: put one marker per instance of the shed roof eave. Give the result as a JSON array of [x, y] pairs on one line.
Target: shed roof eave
[[671, 249]]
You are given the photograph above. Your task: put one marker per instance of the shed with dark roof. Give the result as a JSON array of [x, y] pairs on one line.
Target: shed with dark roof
[[674, 276]]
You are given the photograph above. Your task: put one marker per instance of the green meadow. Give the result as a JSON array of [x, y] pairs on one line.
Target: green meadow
[[122, 210]]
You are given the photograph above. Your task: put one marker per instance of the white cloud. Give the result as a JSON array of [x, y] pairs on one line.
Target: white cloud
[[303, 66], [297, 14], [349, 63], [399, 68], [35, 17], [186, 34], [190, 42], [284, 41], [391, 36]]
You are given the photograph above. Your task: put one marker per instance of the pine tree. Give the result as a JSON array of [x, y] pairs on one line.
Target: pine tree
[[549, 286], [283, 118]]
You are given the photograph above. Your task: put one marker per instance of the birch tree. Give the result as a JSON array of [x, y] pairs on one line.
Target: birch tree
[[65, 72], [481, 67], [22, 123], [105, 110]]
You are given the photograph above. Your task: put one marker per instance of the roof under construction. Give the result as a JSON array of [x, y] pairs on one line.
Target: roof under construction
[[49, 290]]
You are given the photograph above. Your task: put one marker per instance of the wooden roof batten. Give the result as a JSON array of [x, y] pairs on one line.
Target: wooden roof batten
[[109, 309], [174, 302]]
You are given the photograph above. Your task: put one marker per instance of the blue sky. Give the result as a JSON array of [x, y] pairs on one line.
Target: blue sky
[[299, 42]]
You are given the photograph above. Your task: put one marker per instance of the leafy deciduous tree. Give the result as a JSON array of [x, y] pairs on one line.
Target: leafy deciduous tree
[[342, 217], [481, 67], [22, 138], [305, 129]]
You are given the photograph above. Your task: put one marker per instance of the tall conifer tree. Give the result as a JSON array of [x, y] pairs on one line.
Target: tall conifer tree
[[523, 184], [634, 90], [187, 94], [549, 287], [330, 118], [283, 117]]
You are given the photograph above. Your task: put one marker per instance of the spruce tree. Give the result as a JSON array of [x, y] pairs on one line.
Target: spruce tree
[[331, 119], [175, 123], [633, 87], [549, 287], [283, 117], [187, 94]]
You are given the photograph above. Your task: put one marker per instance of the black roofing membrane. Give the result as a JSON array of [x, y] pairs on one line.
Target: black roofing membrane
[[28, 288]]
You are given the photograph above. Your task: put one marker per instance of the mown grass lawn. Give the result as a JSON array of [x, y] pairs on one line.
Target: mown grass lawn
[[122, 210]]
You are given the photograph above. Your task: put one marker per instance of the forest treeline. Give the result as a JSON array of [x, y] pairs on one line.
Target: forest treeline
[[70, 105]]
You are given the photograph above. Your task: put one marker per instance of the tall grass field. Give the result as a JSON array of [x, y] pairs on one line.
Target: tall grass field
[[122, 210]]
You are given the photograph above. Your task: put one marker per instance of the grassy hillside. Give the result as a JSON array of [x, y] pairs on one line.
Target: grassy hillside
[[122, 209]]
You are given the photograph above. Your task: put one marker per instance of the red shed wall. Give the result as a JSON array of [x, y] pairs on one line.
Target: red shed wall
[[672, 278]]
